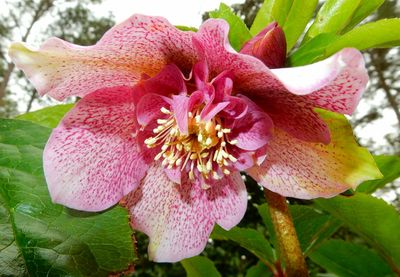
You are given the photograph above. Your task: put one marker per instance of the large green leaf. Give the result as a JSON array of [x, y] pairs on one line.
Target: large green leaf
[[381, 33], [390, 168], [312, 226], [39, 238], [259, 270], [333, 16], [199, 267], [238, 32], [250, 239], [48, 117], [312, 51], [365, 8], [297, 19], [271, 10], [348, 259], [371, 218]]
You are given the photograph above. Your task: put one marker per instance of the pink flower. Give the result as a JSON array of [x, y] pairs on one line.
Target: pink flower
[[169, 118]]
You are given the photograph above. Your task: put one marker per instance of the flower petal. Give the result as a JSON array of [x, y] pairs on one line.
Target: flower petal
[[91, 159], [149, 108], [179, 218], [335, 84], [139, 45], [253, 130], [305, 170], [296, 116], [180, 107]]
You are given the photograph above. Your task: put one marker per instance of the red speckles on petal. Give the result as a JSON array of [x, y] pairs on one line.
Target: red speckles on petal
[[91, 159], [139, 45], [179, 218]]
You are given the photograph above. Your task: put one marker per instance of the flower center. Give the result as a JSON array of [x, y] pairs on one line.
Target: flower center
[[203, 148]]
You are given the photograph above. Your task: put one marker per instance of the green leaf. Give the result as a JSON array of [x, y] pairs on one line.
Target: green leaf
[[313, 50], [390, 168], [371, 218], [40, 238], [258, 270], [333, 17], [312, 226], [199, 267], [250, 239], [348, 259], [382, 33], [299, 15], [271, 10], [238, 32], [365, 8], [48, 117], [186, 28]]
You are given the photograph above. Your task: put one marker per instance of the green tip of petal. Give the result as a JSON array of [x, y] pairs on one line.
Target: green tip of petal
[[361, 165], [19, 53]]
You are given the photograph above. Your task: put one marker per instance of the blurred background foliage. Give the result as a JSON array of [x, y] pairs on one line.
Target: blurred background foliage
[[73, 21]]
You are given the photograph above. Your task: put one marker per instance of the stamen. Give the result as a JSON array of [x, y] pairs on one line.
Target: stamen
[[204, 145], [165, 110], [233, 142]]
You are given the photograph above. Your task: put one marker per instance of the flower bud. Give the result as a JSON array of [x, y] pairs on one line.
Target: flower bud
[[269, 46]]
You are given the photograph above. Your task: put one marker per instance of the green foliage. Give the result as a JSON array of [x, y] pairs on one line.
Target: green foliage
[[333, 17], [365, 8], [373, 219], [78, 25], [297, 19], [186, 28], [312, 226], [313, 50], [250, 239], [259, 270], [348, 259], [383, 33], [390, 168], [39, 238], [48, 117], [271, 10], [238, 32], [200, 266]]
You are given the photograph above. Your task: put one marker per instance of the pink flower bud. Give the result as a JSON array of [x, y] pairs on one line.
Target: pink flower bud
[[269, 46]]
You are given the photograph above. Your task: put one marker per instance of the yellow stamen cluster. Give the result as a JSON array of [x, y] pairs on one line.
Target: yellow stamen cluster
[[204, 145]]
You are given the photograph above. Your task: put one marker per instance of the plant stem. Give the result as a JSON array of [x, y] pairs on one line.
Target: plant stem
[[288, 243]]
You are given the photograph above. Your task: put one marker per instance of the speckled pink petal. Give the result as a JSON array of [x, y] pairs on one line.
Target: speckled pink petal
[[179, 218], [295, 168], [253, 130], [180, 107], [149, 108], [335, 83], [169, 81], [91, 159], [141, 44], [295, 115]]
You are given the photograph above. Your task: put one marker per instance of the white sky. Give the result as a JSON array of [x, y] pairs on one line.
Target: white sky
[[178, 12]]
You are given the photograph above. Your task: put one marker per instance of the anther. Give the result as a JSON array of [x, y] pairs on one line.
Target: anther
[[233, 142], [165, 110]]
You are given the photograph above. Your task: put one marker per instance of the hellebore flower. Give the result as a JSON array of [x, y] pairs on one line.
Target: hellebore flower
[[169, 118]]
